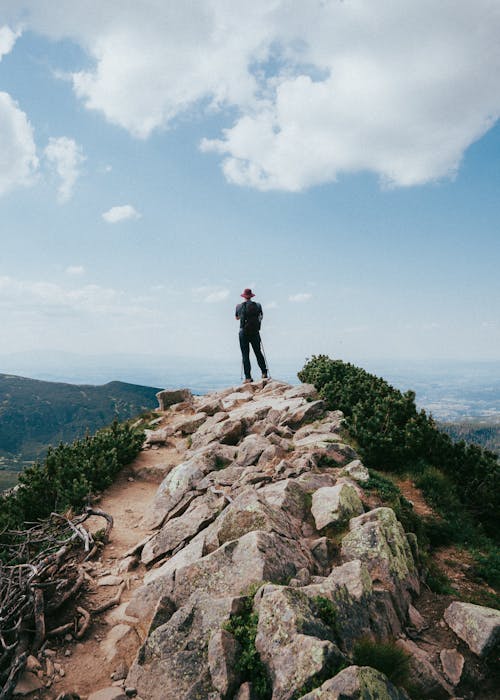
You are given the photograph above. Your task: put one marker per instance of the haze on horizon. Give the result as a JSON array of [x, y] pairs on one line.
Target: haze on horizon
[[341, 158]]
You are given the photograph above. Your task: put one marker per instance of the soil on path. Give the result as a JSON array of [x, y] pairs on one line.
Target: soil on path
[[84, 664]]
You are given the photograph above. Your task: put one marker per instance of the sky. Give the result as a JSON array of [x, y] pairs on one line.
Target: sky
[[341, 158]]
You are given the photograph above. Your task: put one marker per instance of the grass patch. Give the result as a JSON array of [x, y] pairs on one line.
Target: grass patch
[[386, 657]]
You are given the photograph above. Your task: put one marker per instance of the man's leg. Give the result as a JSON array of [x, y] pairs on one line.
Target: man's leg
[[245, 354], [255, 340]]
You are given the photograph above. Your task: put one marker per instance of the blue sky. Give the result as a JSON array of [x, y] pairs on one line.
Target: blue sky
[[160, 157]]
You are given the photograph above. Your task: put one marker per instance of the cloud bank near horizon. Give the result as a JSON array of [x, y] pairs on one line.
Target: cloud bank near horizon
[[320, 89]]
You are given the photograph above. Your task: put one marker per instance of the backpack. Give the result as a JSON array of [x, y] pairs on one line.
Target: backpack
[[250, 316]]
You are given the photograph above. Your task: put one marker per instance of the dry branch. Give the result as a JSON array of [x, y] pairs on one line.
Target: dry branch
[[40, 572]]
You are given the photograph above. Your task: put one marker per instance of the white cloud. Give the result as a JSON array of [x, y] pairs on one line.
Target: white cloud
[[210, 295], [301, 297], [18, 160], [65, 156], [120, 213], [75, 270], [7, 40], [321, 88]]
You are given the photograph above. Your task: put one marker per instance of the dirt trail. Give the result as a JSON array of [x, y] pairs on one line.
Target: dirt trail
[[84, 663]]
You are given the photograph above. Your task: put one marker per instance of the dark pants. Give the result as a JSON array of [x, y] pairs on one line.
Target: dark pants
[[254, 341]]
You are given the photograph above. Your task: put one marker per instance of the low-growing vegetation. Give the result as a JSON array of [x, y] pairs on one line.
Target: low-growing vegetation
[[69, 475], [386, 657], [244, 628], [460, 482]]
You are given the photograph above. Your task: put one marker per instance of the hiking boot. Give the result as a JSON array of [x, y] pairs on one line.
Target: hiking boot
[[265, 375], [248, 380]]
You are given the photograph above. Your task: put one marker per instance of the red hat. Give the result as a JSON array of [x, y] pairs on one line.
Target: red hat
[[247, 294]]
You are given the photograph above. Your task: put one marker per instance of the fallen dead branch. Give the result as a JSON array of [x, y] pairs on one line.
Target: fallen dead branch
[[40, 571], [112, 602]]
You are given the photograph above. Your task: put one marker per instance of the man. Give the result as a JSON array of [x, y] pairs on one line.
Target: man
[[249, 314]]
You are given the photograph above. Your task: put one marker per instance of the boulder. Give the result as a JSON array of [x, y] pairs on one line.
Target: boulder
[[315, 439], [332, 505], [159, 583], [378, 539], [357, 683], [173, 661], [210, 405], [223, 653], [249, 511], [173, 487], [349, 588], [423, 675], [188, 424], [305, 391], [202, 511], [121, 642], [356, 470], [228, 432], [304, 413], [293, 642], [168, 397], [288, 496], [251, 449], [476, 625], [236, 565], [157, 437], [452, 663]]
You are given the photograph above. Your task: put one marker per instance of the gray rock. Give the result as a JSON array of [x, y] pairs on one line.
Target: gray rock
[[174, 486], [120, 643], [357, 683], [305, 412], [378, 540], [210, 406], [415, 619], [251, 449], [168, 397], [189, 424], [357, 471], [223, 654], [310, 481], [306, 391], [287, 495], [323, 551], [332, 505], [202, 511], [160, 582], [315, 439], [452, 663], [228, 432], [158, 437], [349, 587], [478, 626], [231, 569], [249, 511], [108, 694], [244, 692], [423, 675], [294, 644], [173, 661]]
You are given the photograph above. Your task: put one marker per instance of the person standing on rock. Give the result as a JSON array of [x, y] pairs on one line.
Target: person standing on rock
[[249, 314]]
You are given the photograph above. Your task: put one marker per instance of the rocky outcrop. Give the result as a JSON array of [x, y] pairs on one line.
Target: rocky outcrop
[[266, 512], [357, 683], [478, 626]]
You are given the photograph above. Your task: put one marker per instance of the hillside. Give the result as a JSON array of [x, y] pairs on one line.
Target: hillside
[[35, 414], [475, 432], [270, 563]]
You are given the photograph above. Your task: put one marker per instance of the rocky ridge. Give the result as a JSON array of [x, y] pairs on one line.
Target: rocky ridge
[[265, 523]]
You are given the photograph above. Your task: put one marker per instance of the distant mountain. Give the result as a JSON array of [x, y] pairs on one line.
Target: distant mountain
[[35, 414], [479, 432]]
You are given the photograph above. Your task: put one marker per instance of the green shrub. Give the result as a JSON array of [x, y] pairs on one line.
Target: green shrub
[[244, 628], [69, 475], [392, 435], [326, 611], [386, 657], [487, 566]]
